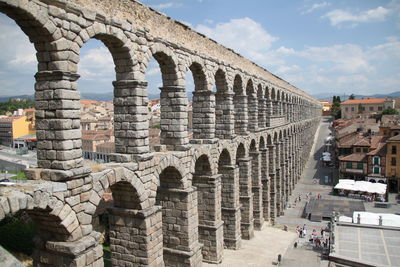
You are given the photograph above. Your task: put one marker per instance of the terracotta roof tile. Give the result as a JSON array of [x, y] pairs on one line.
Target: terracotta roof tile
[[356, 157], [364, 101]]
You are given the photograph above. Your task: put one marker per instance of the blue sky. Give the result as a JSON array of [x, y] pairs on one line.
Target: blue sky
[[341, 46]]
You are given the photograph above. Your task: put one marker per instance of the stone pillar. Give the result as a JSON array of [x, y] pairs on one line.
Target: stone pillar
[[203, 117], [265, 183], [252, 107], [224, 116], [272, 186], [131, 122], [174, 118], [58, 130], [270, 113], [262, 109], [136, 237], [231, 206], [84, 252], [246, 198], [241, 118], [210, 224], [278, 179], [180, 226], [257, 190], [283, 176]]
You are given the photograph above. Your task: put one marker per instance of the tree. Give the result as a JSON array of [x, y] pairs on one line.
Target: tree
[[335, 110], [352, 97], [390, 111]]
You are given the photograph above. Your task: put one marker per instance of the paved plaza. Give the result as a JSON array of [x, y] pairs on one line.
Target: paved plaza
[[378, 246]]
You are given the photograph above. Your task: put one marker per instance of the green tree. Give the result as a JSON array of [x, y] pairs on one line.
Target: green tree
[[390, 111], [352, 96], [335, 110]]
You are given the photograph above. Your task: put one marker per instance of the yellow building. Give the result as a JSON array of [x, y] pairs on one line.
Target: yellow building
[[392, 131], [13, 127]]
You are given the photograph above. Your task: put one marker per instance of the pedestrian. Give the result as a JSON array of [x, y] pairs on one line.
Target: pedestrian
[[322, 232], [299, 198], [305, 232]]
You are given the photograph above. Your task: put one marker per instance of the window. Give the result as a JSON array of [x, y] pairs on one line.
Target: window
[[394, 150], [347, 109], [348, 165], [358, 150], [352, 108], [393, 162], [371, 108], [377, 170], [376, 160], [379, 108], [360, 166], [365, 150]]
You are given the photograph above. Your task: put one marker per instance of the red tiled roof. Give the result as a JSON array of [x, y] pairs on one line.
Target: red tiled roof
[[364, 101], [380, 150], [362, 142], [356, 157]]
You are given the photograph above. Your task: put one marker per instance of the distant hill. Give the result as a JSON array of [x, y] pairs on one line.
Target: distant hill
[[6, 98], [328, 96]]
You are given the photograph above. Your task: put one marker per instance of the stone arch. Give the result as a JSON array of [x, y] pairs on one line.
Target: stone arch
[[240, 106], [209, 209], [253, 145], [35, 24], [56, 220], [197, 67], [168, 63], [179, 218], [252, 106], [262, 106], [126, 187], [262, 142], [120, 47], [224, 112], [240, 152], [199, 152], [172, 137], [203, 107]]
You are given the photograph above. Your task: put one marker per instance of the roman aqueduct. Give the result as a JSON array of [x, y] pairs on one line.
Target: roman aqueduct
[[191, 199]]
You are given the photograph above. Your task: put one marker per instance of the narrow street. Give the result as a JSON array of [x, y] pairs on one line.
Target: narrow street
[[312, 181]]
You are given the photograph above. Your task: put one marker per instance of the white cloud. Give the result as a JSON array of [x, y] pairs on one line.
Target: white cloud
[[285, 51], [287, 69], [153, 71], [339, 16], [347, 58], [316, 6], [167, 5], [243, 35], [96, 64]]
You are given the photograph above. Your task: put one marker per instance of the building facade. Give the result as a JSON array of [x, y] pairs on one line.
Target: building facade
[[364, 108]]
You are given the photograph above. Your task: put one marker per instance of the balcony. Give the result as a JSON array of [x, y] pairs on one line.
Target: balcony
[[275, 121]]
